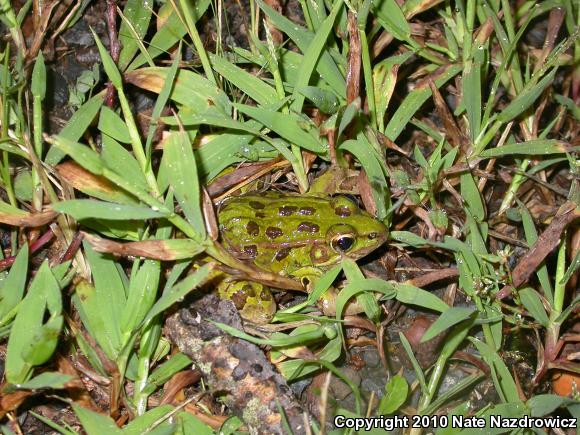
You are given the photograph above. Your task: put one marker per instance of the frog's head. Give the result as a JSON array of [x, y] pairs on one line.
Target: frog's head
[[354, 232]]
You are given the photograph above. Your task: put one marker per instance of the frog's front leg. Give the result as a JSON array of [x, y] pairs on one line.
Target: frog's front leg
[[253, 300], [309, 277]]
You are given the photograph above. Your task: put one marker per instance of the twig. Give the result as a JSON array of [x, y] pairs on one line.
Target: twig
[[39, 243]]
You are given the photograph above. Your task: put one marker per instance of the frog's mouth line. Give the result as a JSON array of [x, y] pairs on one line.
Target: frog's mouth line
[[363, 252]]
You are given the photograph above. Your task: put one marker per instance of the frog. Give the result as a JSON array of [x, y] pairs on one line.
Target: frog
[[295, 236]]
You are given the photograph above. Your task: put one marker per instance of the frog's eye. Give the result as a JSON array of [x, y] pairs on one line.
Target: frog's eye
[[343, 243]]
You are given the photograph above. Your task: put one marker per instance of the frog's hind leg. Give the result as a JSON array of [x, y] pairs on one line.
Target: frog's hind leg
[[254, 301]]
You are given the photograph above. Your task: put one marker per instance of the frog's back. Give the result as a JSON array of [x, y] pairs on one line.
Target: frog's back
[[272, 220], [291, 231]]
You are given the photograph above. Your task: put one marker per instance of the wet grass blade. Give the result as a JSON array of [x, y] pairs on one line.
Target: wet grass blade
[[91, 209], [303, 38], [311, 56], [182, 172], [413, 101], [288, 126]]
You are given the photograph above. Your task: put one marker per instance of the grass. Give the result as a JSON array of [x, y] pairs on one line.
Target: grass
[[457, 120]]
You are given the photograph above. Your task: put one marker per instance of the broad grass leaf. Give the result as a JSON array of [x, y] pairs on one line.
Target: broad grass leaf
[[94, 316], [89, 208], [82, 154], [526, 98], [501, 375], [257, 89], [161, 102], [396, 392], [545, 404], [189, 89], [323, 99], [287, 125], [94, 423], [302, 37], [52, 380], [471, 88], [358, 286], [392, 19], [102, 306], [374, 170], [111, 124], [38, 79], [108, 63], [190, 424], [533, 304], [221, 152], [446, 320], [541, 147], [297, 368], [76, 127], [122, 162], [311, 56], [138, 14], [143, 423], [413, 102], [179, 290], [92, 185], [182, 174], [165, 371], [365, 299], [13, 285], [409, 294], [143, 289], [472, 197], [42, 344], [28, 323], [171, 30]]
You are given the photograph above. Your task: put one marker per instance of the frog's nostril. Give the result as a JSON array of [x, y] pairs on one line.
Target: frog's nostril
[[373, 236]]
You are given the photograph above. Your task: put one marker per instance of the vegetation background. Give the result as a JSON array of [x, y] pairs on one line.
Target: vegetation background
[[455, 122]]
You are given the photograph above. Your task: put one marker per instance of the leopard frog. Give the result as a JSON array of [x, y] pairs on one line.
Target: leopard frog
[[296, 236]]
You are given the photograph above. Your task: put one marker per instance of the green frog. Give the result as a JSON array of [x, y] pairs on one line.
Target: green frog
[[296, 236]]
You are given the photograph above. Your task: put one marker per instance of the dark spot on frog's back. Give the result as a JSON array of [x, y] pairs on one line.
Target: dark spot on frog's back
[[282, 254], [257, 205], [252, 228], [251, 250], [342, 211], [274, 232], [239, 298], [287, 210], [308, 227], [306, 211], [260, 215]]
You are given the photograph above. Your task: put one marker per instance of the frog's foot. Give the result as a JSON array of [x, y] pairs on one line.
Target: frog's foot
[[327, 304], [254, 301]]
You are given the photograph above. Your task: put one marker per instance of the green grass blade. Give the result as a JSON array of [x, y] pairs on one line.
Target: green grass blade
[[12, 289], [252, 86], [76, 126], [23, 348], [414, 100], [326, 67], [135, 22], [91, 209], [287, 125], [182, 171], [311, 56]]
